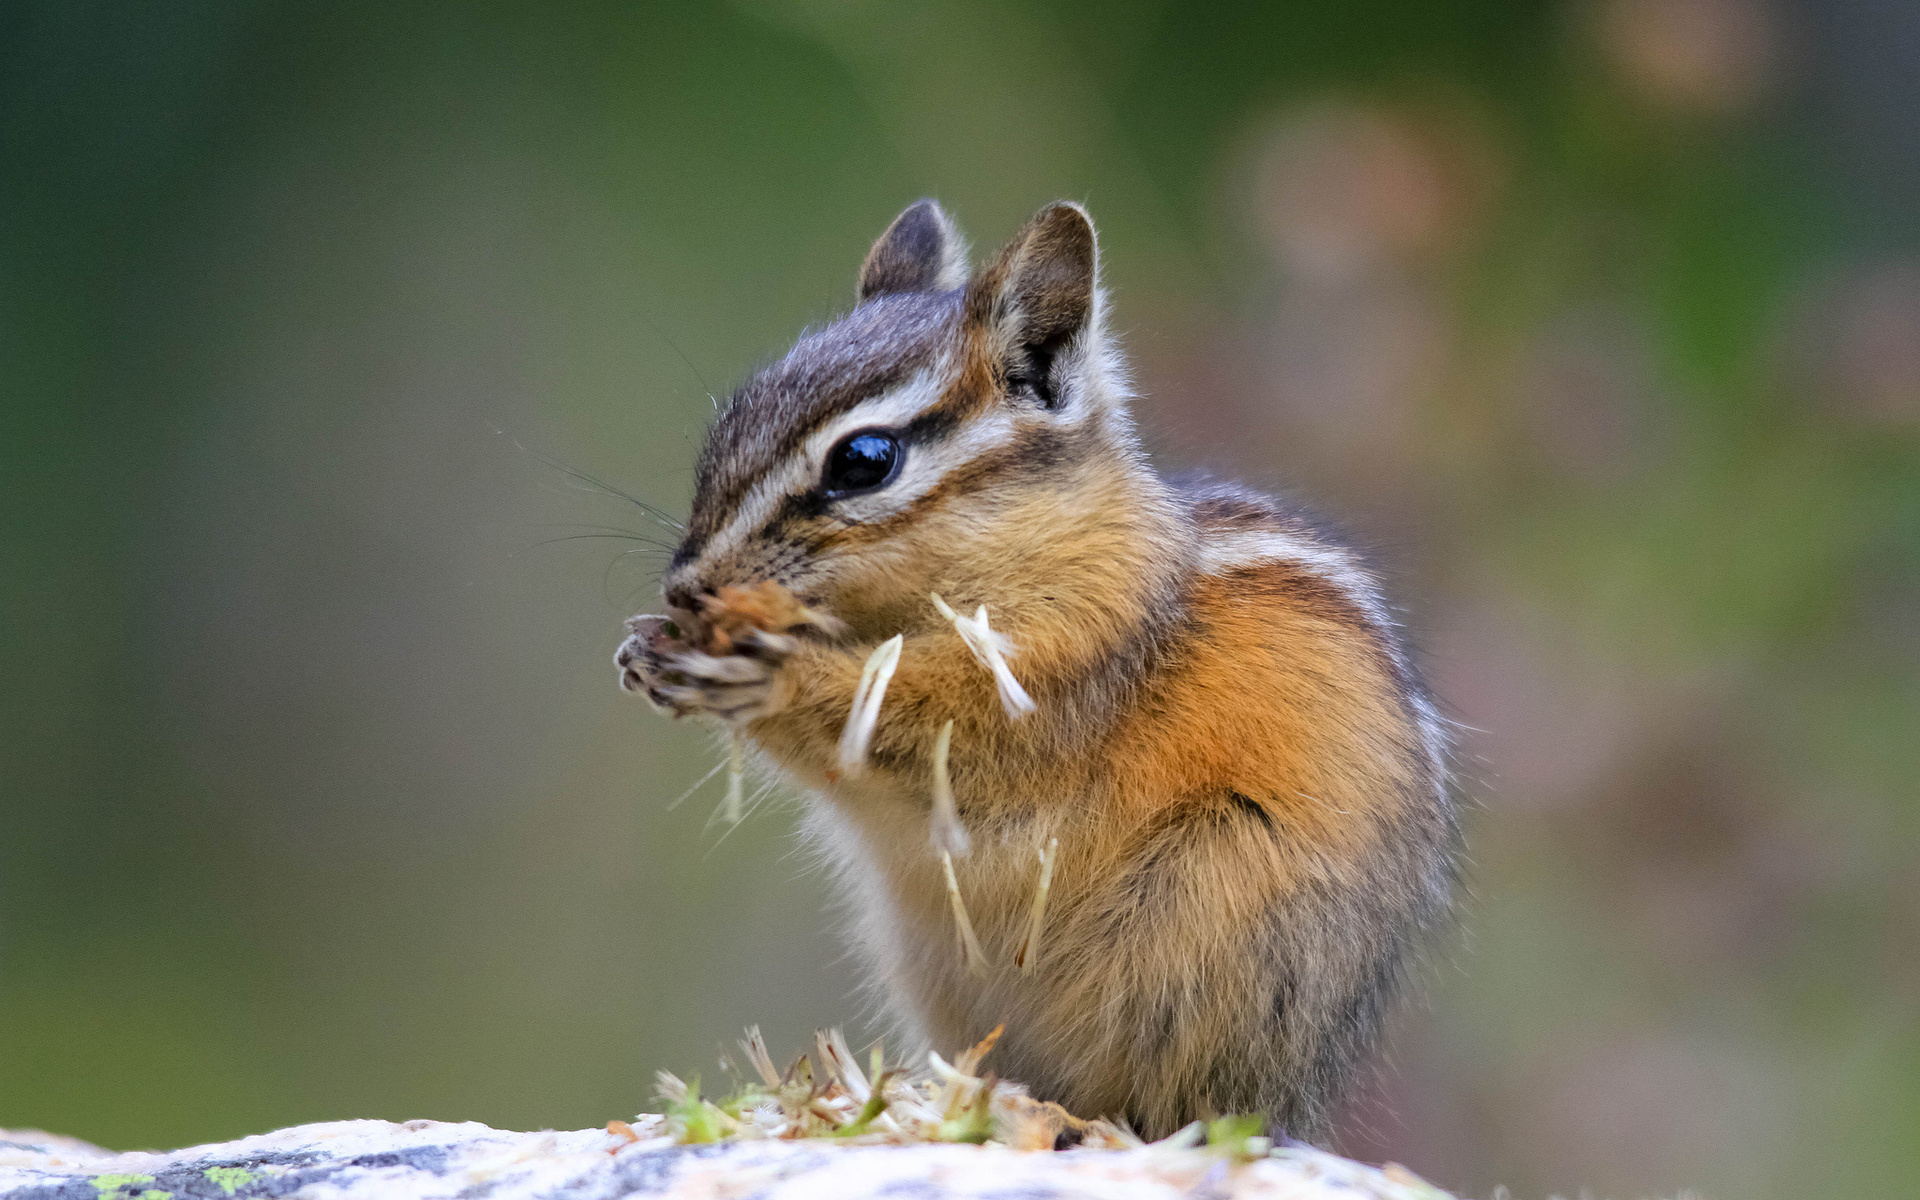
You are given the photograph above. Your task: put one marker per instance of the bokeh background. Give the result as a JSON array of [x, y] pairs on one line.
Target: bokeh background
[[1598, 321]]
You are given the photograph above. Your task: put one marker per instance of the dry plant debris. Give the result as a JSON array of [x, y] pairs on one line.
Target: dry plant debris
[[992, 649], [733, 808], [969, 945], [826, 1094], [1029, 952], [867, 695], [948, 834]]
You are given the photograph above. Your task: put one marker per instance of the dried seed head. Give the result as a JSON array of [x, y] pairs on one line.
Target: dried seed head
[[733, 808], [969, 1060], [948, 835], [1029, 952], [755, 1048], [991, 650], [976, 958], [872, 689]]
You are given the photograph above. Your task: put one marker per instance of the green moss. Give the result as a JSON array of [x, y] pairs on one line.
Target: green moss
[[1236, 1135], [230, 1179]]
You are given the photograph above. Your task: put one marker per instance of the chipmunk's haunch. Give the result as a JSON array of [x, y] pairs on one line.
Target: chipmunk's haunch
[[1245, 777]]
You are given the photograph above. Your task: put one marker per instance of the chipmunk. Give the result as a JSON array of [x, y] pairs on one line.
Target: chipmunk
[[1246, 778]]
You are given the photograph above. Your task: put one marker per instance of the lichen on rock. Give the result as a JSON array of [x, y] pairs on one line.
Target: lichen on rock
[[431, 1160]]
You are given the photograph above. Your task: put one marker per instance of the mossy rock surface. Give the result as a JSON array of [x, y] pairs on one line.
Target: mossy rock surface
[[431, 1160]]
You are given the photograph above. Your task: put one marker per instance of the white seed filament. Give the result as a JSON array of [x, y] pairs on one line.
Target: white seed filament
[[733, 808], [949, 836], [874, 678], [976, 959], [1030, 949], [991, 649]]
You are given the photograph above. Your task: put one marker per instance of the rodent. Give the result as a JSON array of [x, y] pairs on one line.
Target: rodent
[[1246, 777]]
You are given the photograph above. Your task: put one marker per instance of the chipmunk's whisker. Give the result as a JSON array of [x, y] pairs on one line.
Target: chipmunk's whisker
[[1029, 952], [653, 514], [697, 785]]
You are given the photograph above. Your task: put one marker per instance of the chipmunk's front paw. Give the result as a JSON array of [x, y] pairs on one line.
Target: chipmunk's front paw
[[738, 687]]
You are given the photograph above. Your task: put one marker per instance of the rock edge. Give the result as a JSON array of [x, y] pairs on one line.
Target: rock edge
[[433, 1160]]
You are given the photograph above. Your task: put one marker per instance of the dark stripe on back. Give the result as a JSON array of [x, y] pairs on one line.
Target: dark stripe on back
[[1301, 590]]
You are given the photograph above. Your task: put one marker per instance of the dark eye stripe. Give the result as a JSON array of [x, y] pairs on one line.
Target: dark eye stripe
[[932, 426], [1007, 463]]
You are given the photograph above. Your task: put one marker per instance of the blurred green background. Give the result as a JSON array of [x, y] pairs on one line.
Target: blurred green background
[[1599, 322]]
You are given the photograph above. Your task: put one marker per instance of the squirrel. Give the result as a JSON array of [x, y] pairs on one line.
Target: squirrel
[[1246, 779]]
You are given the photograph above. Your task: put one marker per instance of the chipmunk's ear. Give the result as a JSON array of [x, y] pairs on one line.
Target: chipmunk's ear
[[921, 251], [1039, 296]]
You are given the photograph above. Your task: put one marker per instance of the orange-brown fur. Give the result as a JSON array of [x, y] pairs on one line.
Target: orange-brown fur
[[1271, 699], [1235, 762]]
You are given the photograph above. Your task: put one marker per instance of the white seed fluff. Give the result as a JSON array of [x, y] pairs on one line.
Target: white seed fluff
[[949, 836], [992, 649], [874, 678], [1030, 949], [733, 808], [976, 958]]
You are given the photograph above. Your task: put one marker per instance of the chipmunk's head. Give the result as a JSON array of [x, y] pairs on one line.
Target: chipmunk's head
[[943, 430]]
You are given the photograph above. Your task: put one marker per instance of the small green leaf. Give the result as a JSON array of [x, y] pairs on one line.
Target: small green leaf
[[974, 1125], [1232, 1134], [871, 1110]]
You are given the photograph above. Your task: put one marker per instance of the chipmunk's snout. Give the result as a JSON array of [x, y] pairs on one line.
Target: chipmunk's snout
[[686, 601], [704, 573]]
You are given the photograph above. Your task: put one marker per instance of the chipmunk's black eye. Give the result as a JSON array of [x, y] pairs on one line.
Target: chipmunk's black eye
[[863, 461]]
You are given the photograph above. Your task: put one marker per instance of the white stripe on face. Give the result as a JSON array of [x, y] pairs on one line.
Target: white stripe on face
[[800, 471], [926, 466]]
